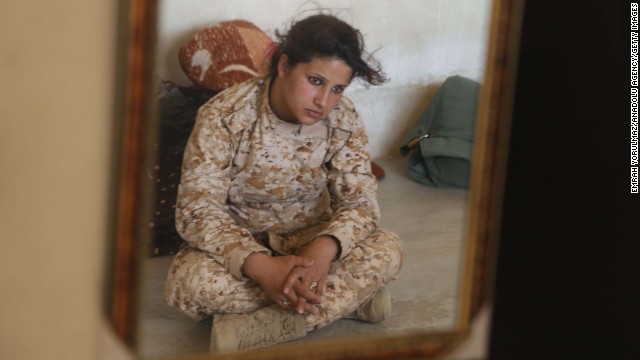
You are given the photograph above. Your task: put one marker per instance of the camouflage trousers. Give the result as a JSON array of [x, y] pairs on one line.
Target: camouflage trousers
[[201, 287]]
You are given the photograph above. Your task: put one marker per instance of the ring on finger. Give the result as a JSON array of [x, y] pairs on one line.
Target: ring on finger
[[313, 286], [286, 302]]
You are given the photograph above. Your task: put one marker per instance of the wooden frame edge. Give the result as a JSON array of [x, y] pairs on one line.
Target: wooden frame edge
[[490, 151], [408, 346], [139, 32]]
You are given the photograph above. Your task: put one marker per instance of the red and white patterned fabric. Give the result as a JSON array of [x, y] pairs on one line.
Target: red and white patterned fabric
[[227, 54]]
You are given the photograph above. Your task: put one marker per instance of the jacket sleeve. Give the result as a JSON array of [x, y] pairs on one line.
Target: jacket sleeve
[[202, 214], [352, 187]]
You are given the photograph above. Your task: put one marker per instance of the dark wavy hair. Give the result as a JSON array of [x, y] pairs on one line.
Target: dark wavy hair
[[326, 35]]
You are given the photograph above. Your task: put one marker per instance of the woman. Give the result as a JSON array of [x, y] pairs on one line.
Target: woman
[[277, 202]]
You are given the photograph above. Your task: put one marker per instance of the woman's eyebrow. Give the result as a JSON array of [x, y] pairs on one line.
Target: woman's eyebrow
[[325, 79]]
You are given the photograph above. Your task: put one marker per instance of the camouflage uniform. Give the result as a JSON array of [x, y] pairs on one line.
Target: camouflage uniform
[[254, 183]]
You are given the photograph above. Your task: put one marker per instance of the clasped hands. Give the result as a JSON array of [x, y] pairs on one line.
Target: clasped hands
[[294, 282]]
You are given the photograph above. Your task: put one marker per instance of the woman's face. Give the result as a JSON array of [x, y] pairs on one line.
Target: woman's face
[[308, 92]]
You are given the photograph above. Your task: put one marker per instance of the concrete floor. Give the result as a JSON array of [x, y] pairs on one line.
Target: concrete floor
[[430, 221]]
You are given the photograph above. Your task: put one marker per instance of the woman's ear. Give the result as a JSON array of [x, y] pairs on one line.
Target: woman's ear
[[283, 65]]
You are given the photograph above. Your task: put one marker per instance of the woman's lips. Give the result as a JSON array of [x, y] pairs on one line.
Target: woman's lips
[[314, 114]]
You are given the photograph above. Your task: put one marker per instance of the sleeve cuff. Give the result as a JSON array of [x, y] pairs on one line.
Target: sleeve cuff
[[344, 239], [239, 255]]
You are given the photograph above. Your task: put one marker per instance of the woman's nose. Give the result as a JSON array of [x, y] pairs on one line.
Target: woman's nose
[[322, 97]]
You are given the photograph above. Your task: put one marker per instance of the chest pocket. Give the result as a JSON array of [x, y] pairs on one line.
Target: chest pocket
[[316, 159]]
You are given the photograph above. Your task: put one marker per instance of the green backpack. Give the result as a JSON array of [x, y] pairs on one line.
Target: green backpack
[[441, 143]]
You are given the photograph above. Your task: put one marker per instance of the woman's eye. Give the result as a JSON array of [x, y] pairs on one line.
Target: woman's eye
[[315, 80], [338, 89]]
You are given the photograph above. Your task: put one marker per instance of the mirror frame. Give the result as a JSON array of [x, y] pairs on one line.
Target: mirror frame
[[138, 122]]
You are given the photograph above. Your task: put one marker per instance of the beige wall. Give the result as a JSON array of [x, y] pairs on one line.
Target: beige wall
[[56, 95]]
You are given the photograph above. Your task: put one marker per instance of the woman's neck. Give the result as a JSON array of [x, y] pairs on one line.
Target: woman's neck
[[277, 101]]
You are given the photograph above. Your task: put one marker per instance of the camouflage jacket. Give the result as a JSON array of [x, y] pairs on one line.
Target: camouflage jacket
[[252, 182]]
